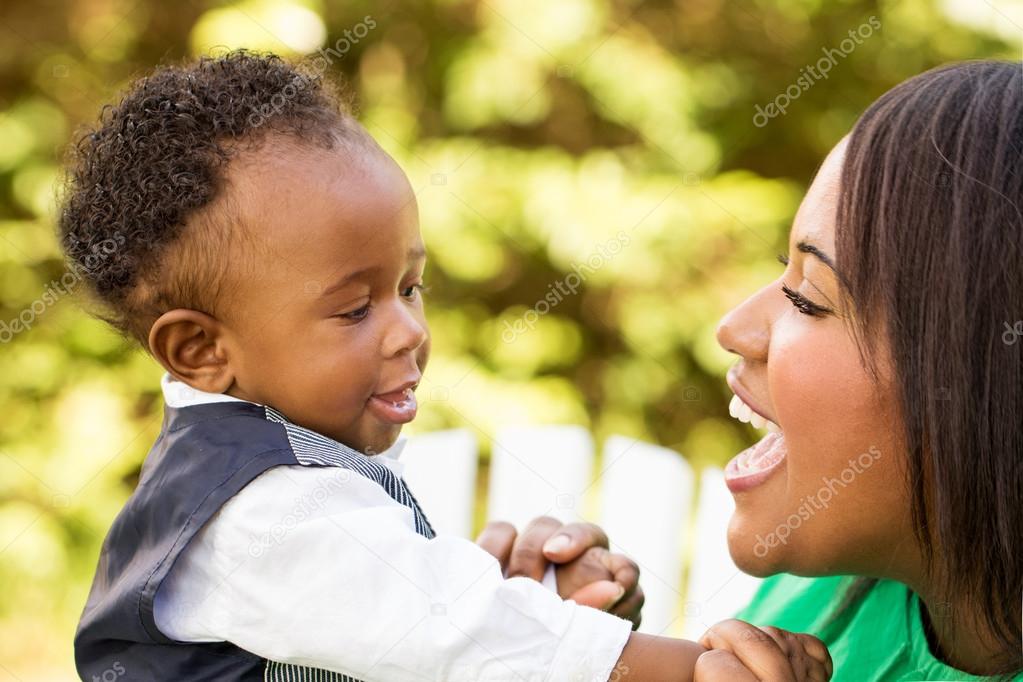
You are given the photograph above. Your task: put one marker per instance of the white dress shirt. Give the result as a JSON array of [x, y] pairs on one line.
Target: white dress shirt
[[319, 566]]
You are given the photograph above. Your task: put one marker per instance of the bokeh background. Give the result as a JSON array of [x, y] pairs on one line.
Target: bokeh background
[[537, 133]]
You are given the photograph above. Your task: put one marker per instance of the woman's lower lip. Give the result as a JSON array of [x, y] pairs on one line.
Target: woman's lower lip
[[394, 413], [756, 464]]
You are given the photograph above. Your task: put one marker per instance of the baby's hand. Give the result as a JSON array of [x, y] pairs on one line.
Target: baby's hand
[[604, 580], [587, 572], [740, 652]]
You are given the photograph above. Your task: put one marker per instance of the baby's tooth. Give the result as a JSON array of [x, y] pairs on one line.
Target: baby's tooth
[[745, 413], [733, 407], [757, 421], [772, 427]]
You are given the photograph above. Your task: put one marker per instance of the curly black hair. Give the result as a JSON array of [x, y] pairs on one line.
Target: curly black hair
[[141, 220]]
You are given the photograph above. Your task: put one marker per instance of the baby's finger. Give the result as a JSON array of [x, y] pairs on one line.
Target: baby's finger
[[602, 594], [720, 665], [631, 607], [817, 650], [624, 570], [805, 665], [781, 638], [756, 649]]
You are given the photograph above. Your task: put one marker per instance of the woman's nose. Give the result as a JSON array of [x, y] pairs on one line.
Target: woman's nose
[[746, 329]]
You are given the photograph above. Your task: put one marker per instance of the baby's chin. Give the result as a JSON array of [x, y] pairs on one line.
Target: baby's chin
[[381, 440], [369, 439]]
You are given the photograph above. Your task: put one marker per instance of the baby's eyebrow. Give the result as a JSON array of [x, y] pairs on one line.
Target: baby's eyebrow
[[416, 253], [343, 282]]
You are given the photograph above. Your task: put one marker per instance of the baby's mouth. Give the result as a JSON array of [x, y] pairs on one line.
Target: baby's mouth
[[394, 407]]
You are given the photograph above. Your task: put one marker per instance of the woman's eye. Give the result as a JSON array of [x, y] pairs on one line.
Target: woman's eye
[[803, 304]]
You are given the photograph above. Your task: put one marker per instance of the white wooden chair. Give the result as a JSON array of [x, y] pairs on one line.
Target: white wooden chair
[[643, 496]]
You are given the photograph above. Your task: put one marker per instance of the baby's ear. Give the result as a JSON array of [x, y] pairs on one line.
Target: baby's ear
[[190, 345]]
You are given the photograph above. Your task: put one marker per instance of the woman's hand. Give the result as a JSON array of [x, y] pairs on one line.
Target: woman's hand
[[740, 652], [587, 571]]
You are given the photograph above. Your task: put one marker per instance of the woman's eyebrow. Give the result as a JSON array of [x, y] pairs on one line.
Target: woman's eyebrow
[[807, 247]]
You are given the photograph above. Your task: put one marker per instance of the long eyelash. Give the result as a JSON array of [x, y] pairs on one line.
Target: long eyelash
[[803, 304], [783, 259]]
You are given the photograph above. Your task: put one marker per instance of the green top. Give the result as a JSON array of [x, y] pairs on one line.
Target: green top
[[880, 637]]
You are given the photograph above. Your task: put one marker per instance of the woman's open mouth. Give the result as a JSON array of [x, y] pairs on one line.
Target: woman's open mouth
[[755, 464]]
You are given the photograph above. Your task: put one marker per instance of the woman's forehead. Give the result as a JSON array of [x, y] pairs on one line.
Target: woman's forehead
[[815, 219]]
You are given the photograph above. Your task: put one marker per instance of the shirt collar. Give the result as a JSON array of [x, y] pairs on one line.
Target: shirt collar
[[179, 394], [394, 452]]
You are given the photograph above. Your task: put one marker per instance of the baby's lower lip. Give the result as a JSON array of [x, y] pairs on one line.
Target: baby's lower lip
[[393, 411], [755, 464]]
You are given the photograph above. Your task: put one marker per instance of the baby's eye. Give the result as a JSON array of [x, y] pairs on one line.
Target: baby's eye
[[357, 315], [410, 292]]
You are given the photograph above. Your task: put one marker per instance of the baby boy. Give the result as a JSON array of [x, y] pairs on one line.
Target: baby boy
[[271, 261]]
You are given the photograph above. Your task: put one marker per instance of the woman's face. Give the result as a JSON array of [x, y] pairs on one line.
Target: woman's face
[[825, 494]]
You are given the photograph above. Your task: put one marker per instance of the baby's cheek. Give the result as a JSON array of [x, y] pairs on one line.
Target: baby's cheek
[[423, 354]]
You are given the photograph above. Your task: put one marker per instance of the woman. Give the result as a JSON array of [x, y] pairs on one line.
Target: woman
[[886, 355]]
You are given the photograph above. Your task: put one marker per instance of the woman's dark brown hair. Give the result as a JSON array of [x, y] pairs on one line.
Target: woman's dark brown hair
[[930, 247]]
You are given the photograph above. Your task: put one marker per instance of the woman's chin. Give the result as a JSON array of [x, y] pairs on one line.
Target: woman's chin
[[755, 550]]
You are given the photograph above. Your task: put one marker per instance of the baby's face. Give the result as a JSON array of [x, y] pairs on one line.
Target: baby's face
[[325, 321]]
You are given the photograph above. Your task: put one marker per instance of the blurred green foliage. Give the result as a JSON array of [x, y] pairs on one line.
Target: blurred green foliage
[[536, 133]]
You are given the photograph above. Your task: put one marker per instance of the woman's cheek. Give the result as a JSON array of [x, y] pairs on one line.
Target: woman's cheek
[[800, 520], [825, 401], [841, 459]]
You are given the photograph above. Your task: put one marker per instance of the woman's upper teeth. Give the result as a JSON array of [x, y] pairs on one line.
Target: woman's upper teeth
[[744, 413]]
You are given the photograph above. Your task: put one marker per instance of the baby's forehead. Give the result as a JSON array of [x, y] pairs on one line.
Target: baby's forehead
[[311, 209], [265, 161]]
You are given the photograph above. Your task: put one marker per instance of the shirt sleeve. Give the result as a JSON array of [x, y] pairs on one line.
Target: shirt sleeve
[[320, 567]]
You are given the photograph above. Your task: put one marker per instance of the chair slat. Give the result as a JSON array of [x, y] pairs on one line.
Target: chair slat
[[717, 589], [440, 469], [646, 497], [539, 470]]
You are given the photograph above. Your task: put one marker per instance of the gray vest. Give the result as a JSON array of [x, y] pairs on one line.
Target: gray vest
[[204, 455]]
